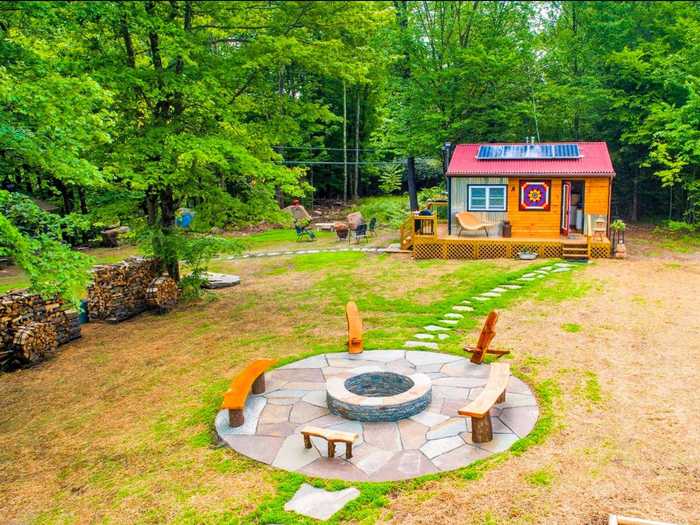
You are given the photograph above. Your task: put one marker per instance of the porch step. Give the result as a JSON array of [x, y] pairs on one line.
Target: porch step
[[574, 250]]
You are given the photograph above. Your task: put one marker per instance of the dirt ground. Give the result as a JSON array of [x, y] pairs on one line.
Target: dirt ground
[[111, 429]]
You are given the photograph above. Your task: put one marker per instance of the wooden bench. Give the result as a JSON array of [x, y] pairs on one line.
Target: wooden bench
[[488, 332], [479, 410], [352, 314], [252, 379], [332, 436]]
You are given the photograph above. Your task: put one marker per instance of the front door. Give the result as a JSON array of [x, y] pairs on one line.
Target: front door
[[565, 207]]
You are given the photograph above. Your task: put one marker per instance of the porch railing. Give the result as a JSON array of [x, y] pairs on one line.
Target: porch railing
[[417, 225]]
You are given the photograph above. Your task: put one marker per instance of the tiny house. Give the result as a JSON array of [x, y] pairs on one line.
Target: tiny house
[[551, 198]]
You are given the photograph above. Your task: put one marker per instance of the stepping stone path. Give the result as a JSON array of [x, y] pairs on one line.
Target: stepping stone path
[[319, 504], [366, 249], [451, 318], [434, 440]]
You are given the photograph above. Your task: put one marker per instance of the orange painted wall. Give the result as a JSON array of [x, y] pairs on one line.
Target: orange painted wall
[[546, 224]]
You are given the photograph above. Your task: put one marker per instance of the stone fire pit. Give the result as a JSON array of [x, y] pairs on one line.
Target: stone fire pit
[[378, 396]]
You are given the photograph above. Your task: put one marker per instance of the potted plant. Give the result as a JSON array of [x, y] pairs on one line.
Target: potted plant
[[618, 229]]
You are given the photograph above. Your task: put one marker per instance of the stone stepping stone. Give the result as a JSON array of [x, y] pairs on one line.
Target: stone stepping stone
[[482, 299], [454, 316], [559, 270], [448, 321], [434, 328], [220, 280], [424, 336], [463, 308], [547, 268], [531, 274], [526, 279], [466, 301], [498, 289], [319, 504], [421, 344], [490, 294], [512, 286], [442, 337], [563, 265]]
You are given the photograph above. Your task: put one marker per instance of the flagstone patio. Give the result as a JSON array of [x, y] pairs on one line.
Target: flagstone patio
[[434, 440]]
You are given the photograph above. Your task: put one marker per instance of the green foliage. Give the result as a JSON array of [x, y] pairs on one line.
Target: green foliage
[[53, 268], [678, 227], [390, 211], [195, 250], [427, 194], [618, 225], [390, 178]]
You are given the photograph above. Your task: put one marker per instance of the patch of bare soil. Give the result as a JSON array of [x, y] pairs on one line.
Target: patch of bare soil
[[636, 451]]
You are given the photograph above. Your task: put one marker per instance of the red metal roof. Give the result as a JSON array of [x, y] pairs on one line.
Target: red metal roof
[[594, 161]]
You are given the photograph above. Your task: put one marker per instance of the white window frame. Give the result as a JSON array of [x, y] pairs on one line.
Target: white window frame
[[487, 187]]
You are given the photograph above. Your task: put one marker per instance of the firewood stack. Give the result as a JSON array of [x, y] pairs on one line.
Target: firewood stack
[[48, 323], [35, 339], [162, 294], [118, 290]]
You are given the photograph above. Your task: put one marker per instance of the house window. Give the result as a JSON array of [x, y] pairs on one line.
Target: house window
[[487, 198]]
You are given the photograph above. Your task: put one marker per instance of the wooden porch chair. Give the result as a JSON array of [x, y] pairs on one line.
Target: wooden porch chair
[[488, 332], [470, 222]]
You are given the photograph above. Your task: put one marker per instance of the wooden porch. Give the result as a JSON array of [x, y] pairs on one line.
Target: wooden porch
[[427, 237]]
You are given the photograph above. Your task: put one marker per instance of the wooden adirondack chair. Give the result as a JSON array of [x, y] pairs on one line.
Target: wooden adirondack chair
[[352, 315], [488, 332]]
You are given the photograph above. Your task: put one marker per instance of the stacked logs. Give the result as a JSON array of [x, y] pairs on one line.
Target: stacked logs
[[35, 339], [31, 326], [118, 290], [162, 294]]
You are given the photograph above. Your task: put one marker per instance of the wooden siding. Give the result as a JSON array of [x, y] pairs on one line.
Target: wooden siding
[[459, 196], [535, 223]]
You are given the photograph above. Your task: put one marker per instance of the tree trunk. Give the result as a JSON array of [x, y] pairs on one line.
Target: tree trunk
[[151, 203], [66, 195], [634, 212], [83, 203], [356, 182], [411, 181], [345, 144], [167, 218]]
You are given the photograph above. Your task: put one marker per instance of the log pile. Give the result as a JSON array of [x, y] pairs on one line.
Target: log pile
[[35, 339], [162, 294], [30, 326], [118, 290]]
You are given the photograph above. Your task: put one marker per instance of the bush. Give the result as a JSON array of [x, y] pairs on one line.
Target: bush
[[679, 226], [389, 210]]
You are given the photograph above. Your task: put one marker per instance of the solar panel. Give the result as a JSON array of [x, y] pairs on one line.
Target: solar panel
[[528, 151]]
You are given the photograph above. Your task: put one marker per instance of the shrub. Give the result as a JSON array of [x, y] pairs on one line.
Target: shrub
[[389, 210]]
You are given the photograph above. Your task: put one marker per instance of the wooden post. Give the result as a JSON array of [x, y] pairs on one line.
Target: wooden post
[[259, 385], [331, 449], [501, 398], [235, 417], [482, 431], [348, 450], [307, 441]]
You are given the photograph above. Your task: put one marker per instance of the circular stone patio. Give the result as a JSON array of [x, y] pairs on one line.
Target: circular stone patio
[[434, 440]]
